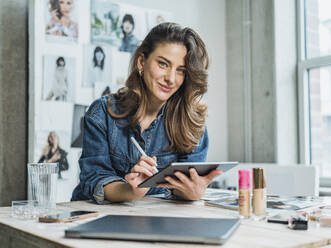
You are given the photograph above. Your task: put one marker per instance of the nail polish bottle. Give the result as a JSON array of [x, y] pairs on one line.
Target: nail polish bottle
[[244, 197], [259, 192]]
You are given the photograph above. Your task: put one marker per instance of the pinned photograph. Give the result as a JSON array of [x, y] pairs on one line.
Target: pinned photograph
[[61, 17], [77, 126], [58, 78], [52, 147], [133, 27], [156, 17], [97, 67], [105, 22]]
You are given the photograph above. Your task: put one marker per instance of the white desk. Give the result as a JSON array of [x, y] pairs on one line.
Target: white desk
[[30, 234]]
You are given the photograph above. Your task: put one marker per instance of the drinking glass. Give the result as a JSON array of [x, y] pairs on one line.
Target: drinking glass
[[42, 183], [25, 209]]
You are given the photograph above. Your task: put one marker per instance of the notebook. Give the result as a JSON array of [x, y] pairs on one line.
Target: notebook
[[157, 228]]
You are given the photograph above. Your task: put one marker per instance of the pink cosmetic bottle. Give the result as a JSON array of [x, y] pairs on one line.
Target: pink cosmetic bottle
[[244, 197]]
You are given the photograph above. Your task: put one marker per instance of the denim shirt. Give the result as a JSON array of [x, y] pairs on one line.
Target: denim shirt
[[109, 154]]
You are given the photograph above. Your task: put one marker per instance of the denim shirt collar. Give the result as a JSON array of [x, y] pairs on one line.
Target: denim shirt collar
[[126, 120], [161, 112]]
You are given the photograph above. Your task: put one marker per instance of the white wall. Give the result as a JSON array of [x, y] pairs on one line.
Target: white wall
[[208, 19]]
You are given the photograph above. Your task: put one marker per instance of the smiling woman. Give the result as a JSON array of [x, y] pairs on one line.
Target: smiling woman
[[160, 107]]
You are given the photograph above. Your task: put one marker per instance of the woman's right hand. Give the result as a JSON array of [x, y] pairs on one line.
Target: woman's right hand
[[54, 14], [144, 169]]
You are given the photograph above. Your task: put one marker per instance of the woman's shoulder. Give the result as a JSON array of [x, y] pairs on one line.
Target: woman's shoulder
[[98, 108]]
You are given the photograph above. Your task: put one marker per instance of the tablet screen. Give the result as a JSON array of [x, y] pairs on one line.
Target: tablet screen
[[203, 168]]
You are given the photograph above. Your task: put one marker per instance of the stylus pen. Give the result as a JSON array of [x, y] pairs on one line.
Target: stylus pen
[[141, 150]]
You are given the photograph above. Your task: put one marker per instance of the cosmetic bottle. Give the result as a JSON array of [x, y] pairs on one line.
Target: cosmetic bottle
[[259, 192], [244, 197]]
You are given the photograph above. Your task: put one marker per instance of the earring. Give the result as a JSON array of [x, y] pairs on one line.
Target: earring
[[141, 73]]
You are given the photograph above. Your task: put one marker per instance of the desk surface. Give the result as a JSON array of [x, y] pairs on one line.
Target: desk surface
[[28, 233]]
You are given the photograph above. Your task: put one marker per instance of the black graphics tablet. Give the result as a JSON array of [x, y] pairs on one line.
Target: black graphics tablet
[[157, 229], [203, 168]]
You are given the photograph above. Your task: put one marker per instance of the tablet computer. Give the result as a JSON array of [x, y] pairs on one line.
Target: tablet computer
[[203, 168]]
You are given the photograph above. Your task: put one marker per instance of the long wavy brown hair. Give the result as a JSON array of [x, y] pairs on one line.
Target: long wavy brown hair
[[184, 113]]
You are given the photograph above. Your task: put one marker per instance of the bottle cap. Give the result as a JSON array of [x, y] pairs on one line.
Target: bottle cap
[[244, 179], [258, 178]]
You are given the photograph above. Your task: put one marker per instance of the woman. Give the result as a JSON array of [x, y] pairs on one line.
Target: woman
[[97, 73], [160, 107], [53, 153], [60, 23], [129, 41], [60, 86]]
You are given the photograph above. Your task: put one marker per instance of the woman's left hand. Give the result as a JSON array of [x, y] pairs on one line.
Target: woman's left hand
[[190, 188]]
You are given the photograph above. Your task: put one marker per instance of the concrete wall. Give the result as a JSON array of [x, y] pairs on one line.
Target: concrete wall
[[261, 66], [235, 75], [13, 99], [263, 93]]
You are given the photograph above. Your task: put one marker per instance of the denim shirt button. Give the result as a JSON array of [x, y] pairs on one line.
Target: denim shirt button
[[148, 137]]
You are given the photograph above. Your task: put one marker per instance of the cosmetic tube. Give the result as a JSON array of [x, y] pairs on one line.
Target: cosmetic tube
[[259, 192], [244, 198]]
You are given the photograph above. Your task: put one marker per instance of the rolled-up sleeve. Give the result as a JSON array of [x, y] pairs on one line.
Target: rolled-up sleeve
[[95, 163]]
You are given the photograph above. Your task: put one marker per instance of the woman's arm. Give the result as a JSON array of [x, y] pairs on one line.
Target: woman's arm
[[96, 168], [99, 180], [119, 191], [63, 161]]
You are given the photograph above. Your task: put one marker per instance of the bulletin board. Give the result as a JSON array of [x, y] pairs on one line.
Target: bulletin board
[[79, 50]]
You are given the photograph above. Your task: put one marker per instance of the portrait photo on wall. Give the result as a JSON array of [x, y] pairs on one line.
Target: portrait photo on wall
[[77, 126], [133, 27], [52, 147], [58, 78], [105, 22], [97, 65], [155, 17], [61, 20]]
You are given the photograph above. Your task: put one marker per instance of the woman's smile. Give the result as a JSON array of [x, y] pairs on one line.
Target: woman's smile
[[165, 88]]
